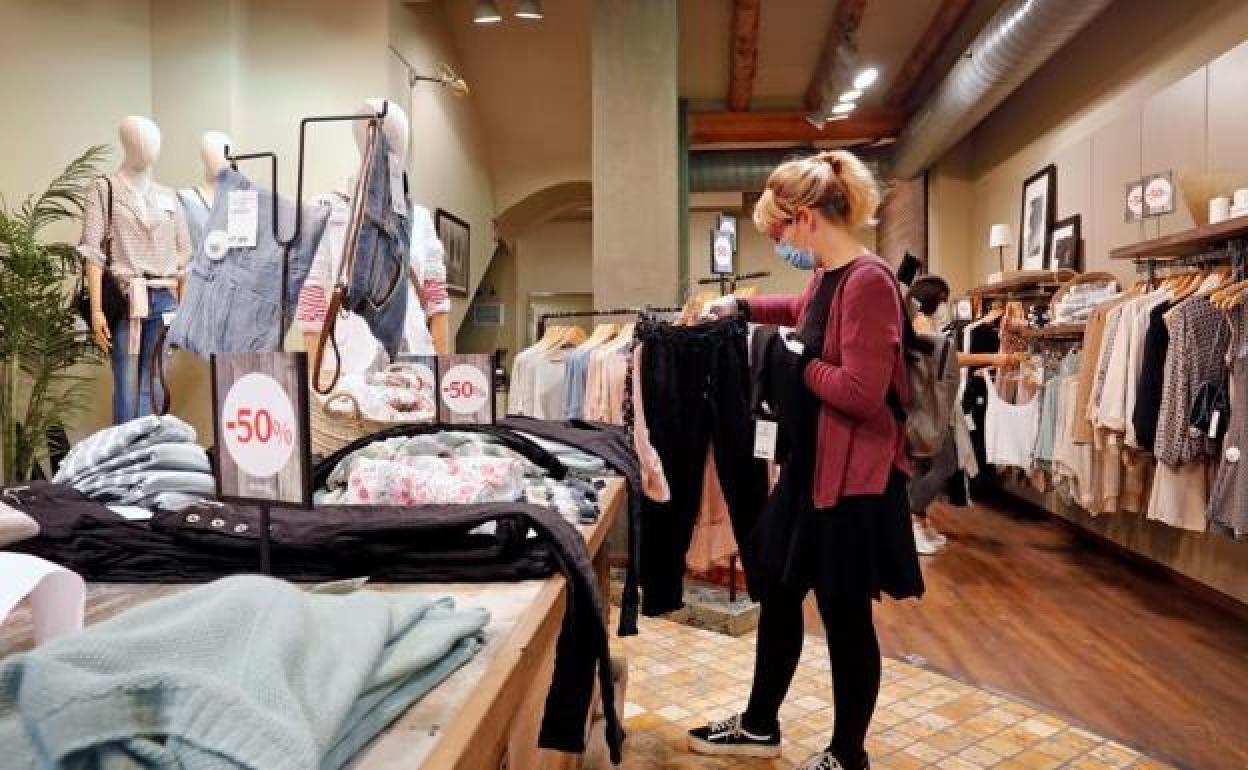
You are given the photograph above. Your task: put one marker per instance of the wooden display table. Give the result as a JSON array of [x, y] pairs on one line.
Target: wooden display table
[[487, 714]]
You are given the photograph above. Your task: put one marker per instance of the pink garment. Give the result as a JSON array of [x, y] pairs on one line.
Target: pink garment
[[604, 384], [421, 480], [713, 543], [653, 478]]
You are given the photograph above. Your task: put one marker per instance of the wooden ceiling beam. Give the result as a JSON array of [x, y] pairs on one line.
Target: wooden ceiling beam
[[931, 43], [845, 21], [758, 127], [745, 17]]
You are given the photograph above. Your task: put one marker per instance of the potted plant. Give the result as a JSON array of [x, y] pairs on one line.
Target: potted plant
[[42, 342]]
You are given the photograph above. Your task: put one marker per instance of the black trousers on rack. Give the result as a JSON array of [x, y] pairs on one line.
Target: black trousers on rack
[[696, 387]]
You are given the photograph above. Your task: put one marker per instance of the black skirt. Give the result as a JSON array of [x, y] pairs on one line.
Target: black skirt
[[862, 546]]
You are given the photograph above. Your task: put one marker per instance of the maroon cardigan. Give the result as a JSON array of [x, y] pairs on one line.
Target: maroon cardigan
[[859, 440]]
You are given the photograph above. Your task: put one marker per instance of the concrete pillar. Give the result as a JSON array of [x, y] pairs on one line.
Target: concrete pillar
[[635, 152]]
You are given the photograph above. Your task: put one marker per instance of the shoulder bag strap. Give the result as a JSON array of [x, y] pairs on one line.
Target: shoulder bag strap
[[107, 245]]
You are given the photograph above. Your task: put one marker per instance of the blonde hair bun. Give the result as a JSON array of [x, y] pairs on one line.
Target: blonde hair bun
[[834, 182]]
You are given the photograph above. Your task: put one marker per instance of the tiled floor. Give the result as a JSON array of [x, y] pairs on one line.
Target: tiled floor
[[679, 677]]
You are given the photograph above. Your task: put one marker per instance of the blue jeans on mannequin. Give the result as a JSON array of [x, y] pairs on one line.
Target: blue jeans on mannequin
[[132, 392]]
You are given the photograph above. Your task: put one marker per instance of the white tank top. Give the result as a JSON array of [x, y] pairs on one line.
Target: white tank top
[[1010, 429]]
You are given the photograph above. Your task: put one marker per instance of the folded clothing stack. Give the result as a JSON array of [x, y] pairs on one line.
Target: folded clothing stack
[[242, 674], [579, 463], [575, 499], [423, 480], [1080, 301], [151, 462]]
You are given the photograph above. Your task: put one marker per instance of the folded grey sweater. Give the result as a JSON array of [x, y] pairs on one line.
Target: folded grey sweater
[[247, 673]]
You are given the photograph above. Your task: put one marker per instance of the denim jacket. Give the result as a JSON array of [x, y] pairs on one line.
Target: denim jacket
[[232, 297], [377, 286]]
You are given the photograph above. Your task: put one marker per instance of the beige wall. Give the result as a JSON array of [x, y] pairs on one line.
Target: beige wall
[[1150, 85], [552, 258]]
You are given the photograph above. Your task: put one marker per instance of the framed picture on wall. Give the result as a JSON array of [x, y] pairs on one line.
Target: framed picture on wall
[[1036, 216], [455, 235], [1065, 244]]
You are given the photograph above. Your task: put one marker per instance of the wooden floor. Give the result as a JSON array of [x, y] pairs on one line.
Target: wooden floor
[[1020, 604]]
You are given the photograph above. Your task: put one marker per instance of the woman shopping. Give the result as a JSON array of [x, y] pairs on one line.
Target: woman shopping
[[838, 521]]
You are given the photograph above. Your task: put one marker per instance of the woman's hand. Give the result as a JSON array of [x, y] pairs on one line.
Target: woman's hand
[[724, 307], [99, 330]]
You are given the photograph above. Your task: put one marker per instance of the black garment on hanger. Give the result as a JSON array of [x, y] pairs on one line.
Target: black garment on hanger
[[696, 388], [1149, 388], [985, 338]]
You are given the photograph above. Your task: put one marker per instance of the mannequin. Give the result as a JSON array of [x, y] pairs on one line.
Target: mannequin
[[150, 247], [212, 152], [197, 201]]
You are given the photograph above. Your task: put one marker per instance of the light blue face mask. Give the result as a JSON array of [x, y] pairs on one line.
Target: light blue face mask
[[802, 259]]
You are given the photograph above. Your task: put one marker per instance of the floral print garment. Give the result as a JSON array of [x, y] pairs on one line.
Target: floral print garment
[[423, 480]]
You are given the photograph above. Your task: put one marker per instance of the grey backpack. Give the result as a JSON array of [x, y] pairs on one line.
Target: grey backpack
[[933, 375]]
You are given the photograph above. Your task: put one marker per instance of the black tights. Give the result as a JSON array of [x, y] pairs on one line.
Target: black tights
[[855, 654]]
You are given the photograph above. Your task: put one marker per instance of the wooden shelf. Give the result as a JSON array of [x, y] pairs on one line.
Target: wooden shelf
[[1194, 241], [1026, 281], [1057, 331]]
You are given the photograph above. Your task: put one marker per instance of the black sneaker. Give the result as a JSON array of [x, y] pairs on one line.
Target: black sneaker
[[728, 739]]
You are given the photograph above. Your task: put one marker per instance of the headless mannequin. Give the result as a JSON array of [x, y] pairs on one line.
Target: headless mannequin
[[212, 152], [140, 144], [398, 131]]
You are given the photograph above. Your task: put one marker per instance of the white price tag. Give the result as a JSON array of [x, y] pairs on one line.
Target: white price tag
[[1213, 424], [795, 345], [165, 202], [765, 439], [465, 389], [398, 201], [167, 318], [970, 422], [242, 219], [258, 422]]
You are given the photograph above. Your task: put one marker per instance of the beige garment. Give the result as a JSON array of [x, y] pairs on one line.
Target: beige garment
[[1109, 344], [713, 543], [1180, 495], [653, 479], [1137, 481], [149, 232], [15, 526], [1093, 338], [605, 383], [1111, 414], [1072, 462]]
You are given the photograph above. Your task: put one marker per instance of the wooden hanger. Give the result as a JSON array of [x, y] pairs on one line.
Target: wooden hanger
[[572, 336], [601, 333]]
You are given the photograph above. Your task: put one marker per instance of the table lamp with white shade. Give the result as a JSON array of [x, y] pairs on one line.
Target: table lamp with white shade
[[1000, 238]]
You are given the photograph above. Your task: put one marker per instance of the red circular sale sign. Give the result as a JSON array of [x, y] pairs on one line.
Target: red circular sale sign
[[258, 423], [465, 389]]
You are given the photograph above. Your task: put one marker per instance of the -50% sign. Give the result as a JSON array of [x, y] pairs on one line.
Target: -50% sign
[[465, 389], [258, 423]]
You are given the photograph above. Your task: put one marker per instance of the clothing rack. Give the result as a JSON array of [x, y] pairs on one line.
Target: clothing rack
[[615, 311], [286, 243], [1233, 251], [728, 283]]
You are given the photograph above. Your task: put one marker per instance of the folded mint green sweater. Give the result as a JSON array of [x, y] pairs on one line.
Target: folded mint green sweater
[[247, 673]]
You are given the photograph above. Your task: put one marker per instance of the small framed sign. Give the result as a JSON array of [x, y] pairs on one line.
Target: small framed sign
[[724, 245], [466, 389], [261, 425], [1158, 194], [1133, 201]]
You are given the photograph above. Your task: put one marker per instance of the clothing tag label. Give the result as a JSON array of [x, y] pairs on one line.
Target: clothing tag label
[[398, 201], [167, 318], [795, 345], [165, 202], [970, 422], [765, 439], [215, 245], [1213, 424], [242, 219]]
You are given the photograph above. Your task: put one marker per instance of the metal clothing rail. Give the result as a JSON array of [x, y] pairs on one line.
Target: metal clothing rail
[[615, 311], [1234, 252], [728, 283], [286, 243]]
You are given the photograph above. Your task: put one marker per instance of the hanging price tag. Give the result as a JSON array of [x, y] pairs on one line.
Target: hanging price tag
[[1213, 424], [970, 422], [765, 432], [242, 219], [398, 201]]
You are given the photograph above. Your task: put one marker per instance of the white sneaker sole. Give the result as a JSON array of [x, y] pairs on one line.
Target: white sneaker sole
[[708, 749]]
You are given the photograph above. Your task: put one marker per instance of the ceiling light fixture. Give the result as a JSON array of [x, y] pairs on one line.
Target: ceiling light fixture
[[486, 13], [865, 78], [850, 96], [529, 9], [844, 108]]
